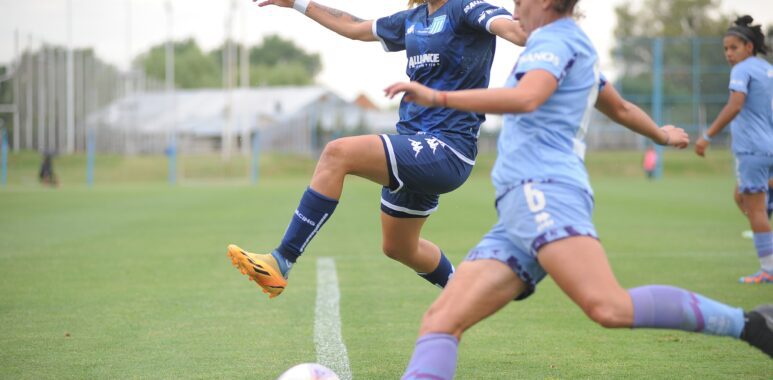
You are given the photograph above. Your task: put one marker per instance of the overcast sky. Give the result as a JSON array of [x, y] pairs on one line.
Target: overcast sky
[[120, 29]]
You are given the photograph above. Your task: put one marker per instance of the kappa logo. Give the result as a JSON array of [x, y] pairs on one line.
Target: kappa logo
[[485, 14], [410, 29], [417, 146], [433, 143]]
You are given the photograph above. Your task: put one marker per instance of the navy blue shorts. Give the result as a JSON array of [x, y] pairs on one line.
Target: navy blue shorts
[[421, 167]]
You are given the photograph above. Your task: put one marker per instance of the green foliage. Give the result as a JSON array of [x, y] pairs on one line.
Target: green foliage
[[671, 18], [192, 68], [276, 51], [274, 62], [687, 27]]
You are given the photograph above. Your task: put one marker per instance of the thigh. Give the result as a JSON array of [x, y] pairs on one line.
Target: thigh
[[580, 268], [363, 156], [477, 290]]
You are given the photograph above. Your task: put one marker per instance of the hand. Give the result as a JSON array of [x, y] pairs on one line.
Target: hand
[[278, 3], [521, 35], [675, 137], [700, 147], [414, 92]]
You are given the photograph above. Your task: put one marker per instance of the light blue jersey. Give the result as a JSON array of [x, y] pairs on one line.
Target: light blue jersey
[[752, 128], [543, 192], [548, 145]]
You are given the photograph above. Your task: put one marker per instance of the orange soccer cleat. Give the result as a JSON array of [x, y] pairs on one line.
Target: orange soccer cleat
[[263, 269], [760, 277]]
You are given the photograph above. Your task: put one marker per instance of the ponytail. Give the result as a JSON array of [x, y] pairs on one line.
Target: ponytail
[[749, 33]]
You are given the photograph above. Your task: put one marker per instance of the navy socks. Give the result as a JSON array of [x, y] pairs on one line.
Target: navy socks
[[312, 213], [440, 276]]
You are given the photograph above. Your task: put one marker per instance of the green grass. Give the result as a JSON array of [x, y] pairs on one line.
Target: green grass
[[129, 279]]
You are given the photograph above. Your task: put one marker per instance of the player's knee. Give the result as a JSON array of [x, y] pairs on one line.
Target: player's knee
[[605, 312], [334, 154], [437, 321], [394, 251]]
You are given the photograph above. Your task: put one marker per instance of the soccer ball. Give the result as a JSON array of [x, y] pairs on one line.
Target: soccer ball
[[309, 371]]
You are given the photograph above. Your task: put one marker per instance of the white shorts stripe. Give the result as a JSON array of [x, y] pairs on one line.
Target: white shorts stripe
[[407, 210], [331, 350], [393, 161], [461, 156]]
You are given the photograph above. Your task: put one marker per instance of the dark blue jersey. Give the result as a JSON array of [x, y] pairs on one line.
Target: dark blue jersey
[[451, 49]]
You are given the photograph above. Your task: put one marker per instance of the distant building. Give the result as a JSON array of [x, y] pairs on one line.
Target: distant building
[[288, 119]]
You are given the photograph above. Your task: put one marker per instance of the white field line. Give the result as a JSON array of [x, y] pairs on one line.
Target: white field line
[[331, 350]]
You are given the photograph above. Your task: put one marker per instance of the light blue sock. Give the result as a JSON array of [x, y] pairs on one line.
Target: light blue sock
[[433, 358], [763, 242], [667, 307]]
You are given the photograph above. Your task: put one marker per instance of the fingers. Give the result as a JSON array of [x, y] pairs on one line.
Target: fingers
[[700, 147], [395, 89], [677, 137]]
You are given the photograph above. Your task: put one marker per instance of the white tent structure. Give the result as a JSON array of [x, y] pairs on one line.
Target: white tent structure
[[287, 119]]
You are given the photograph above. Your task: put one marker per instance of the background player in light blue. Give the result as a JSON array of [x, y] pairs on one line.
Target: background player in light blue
[[749, 111], [544, 202], [450, 45]]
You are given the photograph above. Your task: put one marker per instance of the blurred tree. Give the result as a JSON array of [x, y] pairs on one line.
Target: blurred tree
[[671, 19], [688, 27], [274, 62], [192, 68], [277, 52]]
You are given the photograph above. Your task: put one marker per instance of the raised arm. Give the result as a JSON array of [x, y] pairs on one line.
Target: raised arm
[[349, 26], [533, 89], [729, 112], [509, 30], [632, 117]]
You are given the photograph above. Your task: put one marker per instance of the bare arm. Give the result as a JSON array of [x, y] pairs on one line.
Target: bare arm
[[509, 30], [533, 89], [729, 112], [634, 118], [349, 26]]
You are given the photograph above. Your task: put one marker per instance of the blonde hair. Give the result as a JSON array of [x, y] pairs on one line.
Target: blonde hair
[[413, 3]]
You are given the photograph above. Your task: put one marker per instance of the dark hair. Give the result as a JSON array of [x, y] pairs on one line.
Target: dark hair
[[744, 30], [564, 6]]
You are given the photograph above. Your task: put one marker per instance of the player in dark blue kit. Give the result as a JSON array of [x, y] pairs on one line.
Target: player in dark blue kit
[[450, 46]]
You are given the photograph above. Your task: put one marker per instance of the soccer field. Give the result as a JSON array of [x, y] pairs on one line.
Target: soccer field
[[132, 281]]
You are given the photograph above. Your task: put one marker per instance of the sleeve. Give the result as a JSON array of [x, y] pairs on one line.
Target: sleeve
[[546, 53], [739, 79], [478, 14], [602, 81], [390, 31]]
